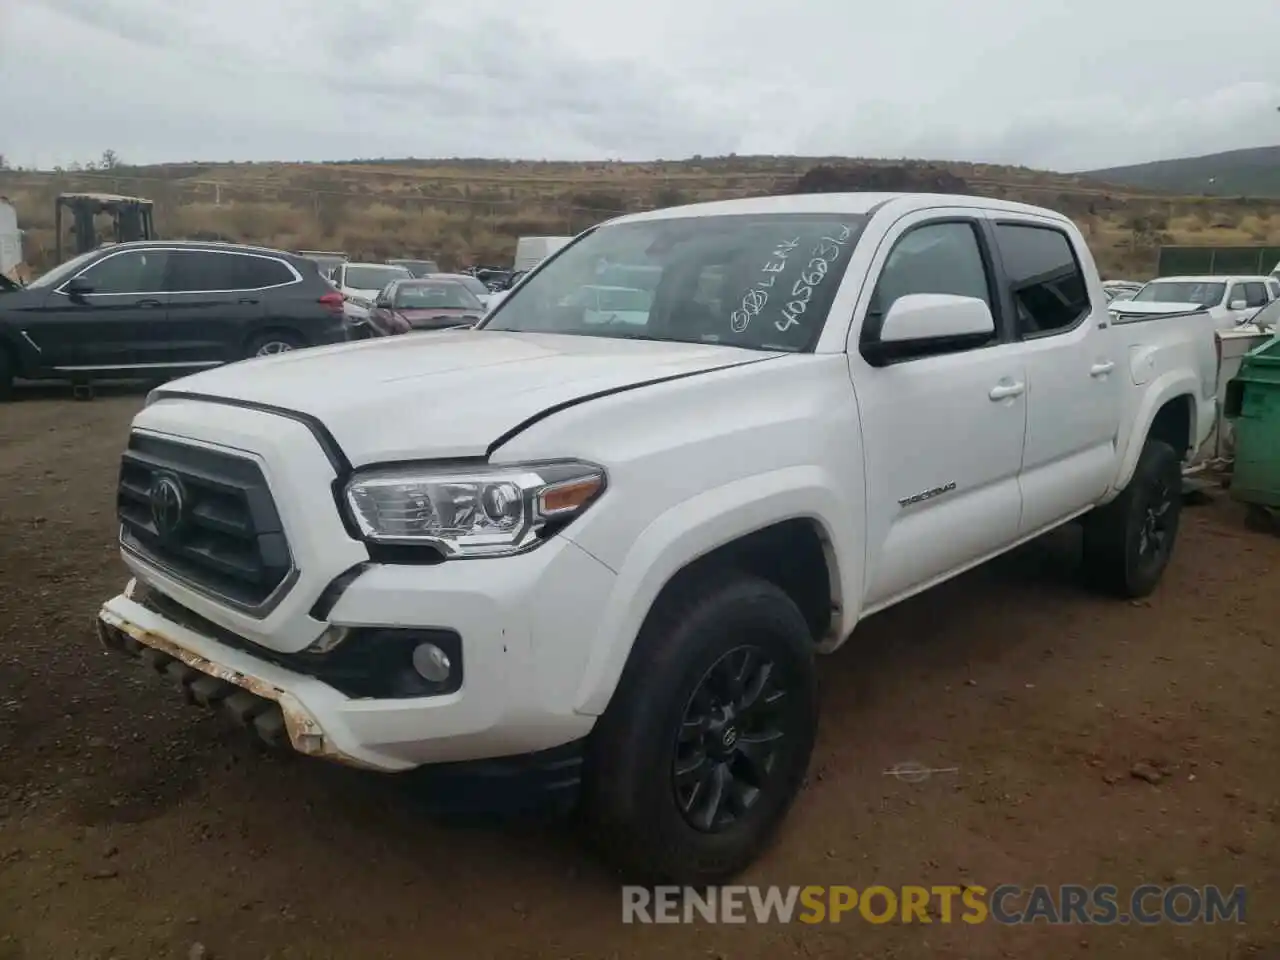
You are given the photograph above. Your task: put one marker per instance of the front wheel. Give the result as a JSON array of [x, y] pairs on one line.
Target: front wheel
[[706, 742], [1128, 542]]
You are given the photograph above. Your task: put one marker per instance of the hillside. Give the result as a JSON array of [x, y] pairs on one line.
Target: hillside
[[463, 212], [1236, 173]]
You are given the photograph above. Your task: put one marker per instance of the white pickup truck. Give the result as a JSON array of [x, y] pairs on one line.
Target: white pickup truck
[[1228, 301], [596, 560]]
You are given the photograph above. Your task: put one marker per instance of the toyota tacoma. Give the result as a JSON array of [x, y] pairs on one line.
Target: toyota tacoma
[[597, 561]]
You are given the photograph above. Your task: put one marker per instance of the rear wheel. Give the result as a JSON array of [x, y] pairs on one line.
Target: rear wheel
[[7, 372], [1128, 542], [269, 344], [706, 742]]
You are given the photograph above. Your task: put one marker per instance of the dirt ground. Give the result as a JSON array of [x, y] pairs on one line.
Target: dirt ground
[[132, 825]]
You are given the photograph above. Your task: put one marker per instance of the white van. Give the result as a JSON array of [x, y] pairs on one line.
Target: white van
[[531, 251]]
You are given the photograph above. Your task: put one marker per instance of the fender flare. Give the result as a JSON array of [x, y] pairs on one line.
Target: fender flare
[[693, 528], [1164, 388]]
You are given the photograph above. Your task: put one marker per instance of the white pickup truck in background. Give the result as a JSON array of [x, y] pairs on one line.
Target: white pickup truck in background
[[1229, 301], [596, 560]]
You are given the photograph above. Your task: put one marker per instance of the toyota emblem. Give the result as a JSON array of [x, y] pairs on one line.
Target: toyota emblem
[[168, 504]]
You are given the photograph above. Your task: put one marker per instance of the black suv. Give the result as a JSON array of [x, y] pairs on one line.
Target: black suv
[[163, 308]]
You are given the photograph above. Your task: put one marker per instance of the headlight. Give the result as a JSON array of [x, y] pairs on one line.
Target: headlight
[[472, 512]]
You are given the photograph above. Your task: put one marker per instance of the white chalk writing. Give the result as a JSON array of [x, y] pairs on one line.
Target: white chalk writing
[[822, 256], [757, 296]]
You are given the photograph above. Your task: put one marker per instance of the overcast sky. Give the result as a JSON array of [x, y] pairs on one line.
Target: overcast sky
[[1060, 84]]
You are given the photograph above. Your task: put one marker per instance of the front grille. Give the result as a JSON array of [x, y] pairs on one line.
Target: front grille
[[205, 517]]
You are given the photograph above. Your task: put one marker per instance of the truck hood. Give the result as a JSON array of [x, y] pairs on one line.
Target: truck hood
[[1148, 308], [450, 394]]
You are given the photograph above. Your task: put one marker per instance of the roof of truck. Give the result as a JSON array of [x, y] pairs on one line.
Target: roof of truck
[[858, 203]]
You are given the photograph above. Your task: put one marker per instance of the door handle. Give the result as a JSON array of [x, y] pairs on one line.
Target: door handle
[[1102, 369], [249, 301], [1003, 391], [150, 303]]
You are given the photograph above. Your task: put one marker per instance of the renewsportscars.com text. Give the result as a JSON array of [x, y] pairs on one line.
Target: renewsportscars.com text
[[1004, 904]]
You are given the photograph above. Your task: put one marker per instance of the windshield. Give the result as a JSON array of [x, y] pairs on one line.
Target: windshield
[[764, 282], [62, 272], [1182, 291], [447, 296], [371, 277]]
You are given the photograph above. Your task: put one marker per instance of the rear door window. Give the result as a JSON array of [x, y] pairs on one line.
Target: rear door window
[[198, 271], [1045, 278]]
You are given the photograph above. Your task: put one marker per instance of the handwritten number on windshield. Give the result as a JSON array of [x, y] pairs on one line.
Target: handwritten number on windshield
[[823, 255]]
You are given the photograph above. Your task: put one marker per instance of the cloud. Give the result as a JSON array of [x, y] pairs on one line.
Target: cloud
[[1066, 84]]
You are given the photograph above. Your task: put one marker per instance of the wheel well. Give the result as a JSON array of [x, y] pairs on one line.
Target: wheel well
[[791, 554], [1172, 424]]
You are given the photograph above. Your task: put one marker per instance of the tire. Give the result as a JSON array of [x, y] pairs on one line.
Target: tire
[[1128, 542], [691, 643], [273, 342], [7, 371]]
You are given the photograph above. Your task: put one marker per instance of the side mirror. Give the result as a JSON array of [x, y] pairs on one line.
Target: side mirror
[[78, 287], [917, 322], [1238, 305], [936, 316]]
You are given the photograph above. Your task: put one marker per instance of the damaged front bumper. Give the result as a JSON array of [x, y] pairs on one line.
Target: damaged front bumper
[[289, 710], [480, 746], [277, 716]]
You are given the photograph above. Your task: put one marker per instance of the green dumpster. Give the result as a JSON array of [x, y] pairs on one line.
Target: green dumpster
[[1252, 403]]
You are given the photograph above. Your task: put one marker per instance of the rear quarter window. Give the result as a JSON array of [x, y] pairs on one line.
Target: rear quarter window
[[254, 272]]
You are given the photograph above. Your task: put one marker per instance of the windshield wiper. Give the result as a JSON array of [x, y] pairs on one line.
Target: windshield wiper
[[639, 336]]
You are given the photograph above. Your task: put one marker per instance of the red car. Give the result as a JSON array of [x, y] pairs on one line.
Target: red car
[[407, 305]]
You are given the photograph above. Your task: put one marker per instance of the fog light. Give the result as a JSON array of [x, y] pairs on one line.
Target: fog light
[[431, 662]]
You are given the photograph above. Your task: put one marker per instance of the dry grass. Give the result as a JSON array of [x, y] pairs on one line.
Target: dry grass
[[462, 212]]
